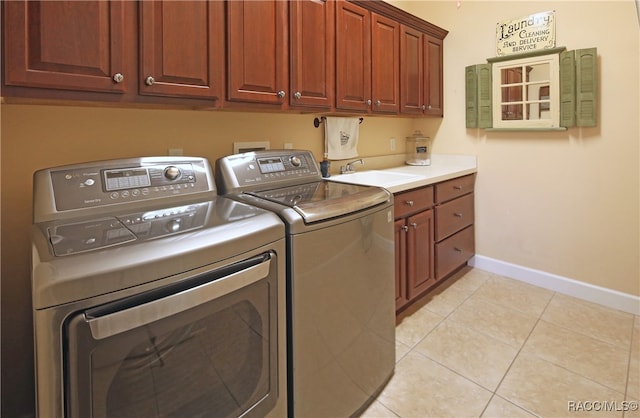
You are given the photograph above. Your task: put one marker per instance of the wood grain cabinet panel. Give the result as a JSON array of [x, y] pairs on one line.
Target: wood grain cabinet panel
[[257, 51], [182, 48], [454, 188], [353, 57], [312, 56], [454, 252], [385, 64], [72, 45], [414, 241], [413, 201], [453, 216]]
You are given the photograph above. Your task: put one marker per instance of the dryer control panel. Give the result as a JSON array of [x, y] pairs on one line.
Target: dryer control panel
[[118, 182]]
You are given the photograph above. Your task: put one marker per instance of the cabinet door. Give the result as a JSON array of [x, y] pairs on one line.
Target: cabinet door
[[257, 51], [73, 45], [312, 61], [353, 57], [182, 48], [401, 263], [411, 71], [433, 76], [420, 253], [385, 64]]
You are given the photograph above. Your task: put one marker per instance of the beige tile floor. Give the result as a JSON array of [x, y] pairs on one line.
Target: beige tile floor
[[484, 345]]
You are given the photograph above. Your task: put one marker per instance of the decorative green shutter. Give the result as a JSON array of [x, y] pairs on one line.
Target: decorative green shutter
[[478, 96], [586, 87], [471, 96], [567, 89], [578, 88], [485, 114]]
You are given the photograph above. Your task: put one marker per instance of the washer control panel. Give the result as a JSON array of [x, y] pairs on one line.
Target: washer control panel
[[260, 169], [112, 182]]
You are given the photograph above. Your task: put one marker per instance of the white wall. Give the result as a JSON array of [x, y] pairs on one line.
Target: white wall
[[564, 203]]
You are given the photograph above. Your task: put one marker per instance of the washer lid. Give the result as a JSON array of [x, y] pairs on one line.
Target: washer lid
[[321, 200]]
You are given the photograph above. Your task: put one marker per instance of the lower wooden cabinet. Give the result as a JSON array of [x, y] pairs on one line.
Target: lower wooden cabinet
[[434, 235], [414, 244]]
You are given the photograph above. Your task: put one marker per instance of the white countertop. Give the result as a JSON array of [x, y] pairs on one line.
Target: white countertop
[[397, 179]]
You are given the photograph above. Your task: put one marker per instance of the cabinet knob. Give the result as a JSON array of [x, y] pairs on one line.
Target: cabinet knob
[[414, 225], [281, 94], [368, 102], [378, 102], [118, 78], [149, 81], [457, 215], [429, 106], [297, 95], [423, 107], [409, 202], [404, 228]]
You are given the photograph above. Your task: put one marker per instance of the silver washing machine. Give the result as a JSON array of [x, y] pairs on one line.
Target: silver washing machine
[[153, 296], [340, 277]]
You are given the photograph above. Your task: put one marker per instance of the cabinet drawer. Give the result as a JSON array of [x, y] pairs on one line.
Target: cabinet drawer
[[454, 251], [453, 188], [454, 216], [413, 201]]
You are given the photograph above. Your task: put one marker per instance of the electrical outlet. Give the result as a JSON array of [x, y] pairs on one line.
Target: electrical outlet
[[175, 151], [392, 144], [288, 145]]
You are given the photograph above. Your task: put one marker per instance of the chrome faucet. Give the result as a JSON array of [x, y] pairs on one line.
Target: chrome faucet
[[348, 169]]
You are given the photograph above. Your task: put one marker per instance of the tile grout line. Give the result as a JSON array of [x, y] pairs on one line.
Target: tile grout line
[[495, 392]]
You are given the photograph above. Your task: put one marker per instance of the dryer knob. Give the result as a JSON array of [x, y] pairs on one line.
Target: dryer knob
[[173, 225], [295, 161], [172, 172]]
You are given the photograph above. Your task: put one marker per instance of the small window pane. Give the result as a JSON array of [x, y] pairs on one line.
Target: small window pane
[[512, 112], [512, 94], [511, 75]]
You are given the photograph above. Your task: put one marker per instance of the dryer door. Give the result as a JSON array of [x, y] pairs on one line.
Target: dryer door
[[206, 346]]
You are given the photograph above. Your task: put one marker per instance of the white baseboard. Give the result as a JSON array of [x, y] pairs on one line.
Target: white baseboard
[[596, 294]]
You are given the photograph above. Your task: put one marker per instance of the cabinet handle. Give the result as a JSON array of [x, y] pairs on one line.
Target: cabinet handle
[[368, 102], [424, 107], [414, 225], [409, 202], [378, 102], [457, 249], [149, 81], [297, 95], [404, 228], [118, 78], [457, 187], [457, 215], [281, 94]]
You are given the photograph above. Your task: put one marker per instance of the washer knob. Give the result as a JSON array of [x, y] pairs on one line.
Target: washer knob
[[172, 172], [295, 161]]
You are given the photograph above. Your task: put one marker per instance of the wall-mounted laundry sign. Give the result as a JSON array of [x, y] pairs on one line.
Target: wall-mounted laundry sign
[[535, 32]]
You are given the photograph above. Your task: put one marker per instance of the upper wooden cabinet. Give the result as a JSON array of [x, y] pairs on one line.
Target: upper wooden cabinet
[[257, 51], [182, 48], [367, 60], [353, 57], [332, 56], [385, 64], [421, 79], [312, 53], [74, 45]]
